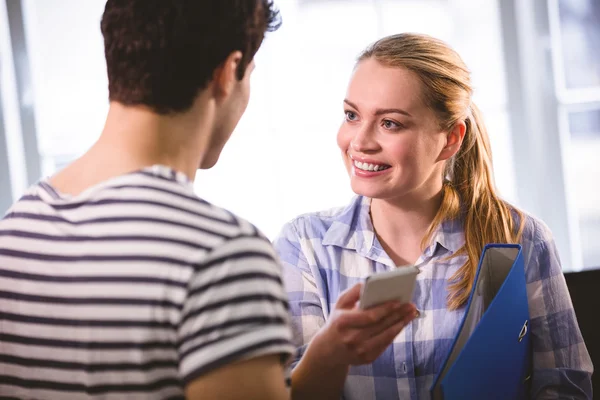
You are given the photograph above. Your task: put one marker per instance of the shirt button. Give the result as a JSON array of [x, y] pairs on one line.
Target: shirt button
[[417, 313]]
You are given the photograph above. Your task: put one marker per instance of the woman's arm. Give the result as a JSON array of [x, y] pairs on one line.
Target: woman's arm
[[328, 346], [562, 366], [316, 374], [350, 337]]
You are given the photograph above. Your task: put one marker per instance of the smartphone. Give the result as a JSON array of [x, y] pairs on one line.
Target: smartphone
[[398, 285]]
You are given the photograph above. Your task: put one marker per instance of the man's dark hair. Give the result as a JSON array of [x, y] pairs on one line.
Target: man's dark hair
[[161, 53]]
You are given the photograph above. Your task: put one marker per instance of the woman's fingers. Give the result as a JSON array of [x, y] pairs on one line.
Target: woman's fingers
[[357, 318], [349, 297], [359, 336], [363, 341]]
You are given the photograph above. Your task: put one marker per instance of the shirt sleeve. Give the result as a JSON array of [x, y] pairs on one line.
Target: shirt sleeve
[[236, 309], [562, 367], [305, 300]]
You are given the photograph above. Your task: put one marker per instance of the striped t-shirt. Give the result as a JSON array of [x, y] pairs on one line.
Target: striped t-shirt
[[131, 289]]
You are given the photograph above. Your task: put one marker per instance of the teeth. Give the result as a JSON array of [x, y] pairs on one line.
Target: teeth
[[369, 167]]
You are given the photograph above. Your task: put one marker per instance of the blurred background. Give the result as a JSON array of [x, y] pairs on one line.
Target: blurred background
[[535, 65]]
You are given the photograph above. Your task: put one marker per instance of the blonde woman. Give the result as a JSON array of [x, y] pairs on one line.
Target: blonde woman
[[419, 160]]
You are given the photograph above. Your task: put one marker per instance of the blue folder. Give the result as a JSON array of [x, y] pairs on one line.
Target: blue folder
[[491, 354]]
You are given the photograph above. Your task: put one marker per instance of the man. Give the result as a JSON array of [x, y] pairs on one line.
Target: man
[[116, 281]]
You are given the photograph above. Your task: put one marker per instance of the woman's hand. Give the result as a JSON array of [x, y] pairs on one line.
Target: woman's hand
[[353, 336]]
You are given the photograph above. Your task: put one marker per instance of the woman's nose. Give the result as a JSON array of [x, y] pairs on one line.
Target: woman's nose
[[364, 141]]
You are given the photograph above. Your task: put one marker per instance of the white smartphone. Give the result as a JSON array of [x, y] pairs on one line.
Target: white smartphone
[[382, 287]]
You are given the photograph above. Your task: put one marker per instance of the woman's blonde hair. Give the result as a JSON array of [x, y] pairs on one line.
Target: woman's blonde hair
[[469, 192]]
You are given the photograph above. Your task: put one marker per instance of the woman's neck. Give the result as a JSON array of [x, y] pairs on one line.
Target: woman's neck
[[401, 225]]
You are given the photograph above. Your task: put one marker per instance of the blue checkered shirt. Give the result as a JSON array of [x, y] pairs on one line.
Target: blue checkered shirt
[[325, 253]]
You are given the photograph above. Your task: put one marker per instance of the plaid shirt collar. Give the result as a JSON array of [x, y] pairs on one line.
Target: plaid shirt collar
[[352, 229]]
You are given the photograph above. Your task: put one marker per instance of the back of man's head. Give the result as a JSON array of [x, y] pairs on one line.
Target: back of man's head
[[161, 53]]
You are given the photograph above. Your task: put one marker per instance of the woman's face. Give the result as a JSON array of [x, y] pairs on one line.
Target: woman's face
[[390, 140]]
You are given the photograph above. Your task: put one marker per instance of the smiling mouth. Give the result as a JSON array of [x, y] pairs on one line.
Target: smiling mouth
[[370, 167]]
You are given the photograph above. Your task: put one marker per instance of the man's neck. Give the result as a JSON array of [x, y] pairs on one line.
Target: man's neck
[[401, 224], [134, 138]]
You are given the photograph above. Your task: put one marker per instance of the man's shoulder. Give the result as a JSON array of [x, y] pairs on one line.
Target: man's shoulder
[[238, 225], [137, 206]]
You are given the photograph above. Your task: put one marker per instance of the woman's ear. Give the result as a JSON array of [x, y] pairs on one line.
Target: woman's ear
[[225, 77], [454, 139]]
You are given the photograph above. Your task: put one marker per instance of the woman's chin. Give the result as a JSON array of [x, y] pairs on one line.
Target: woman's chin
[[367, 190]]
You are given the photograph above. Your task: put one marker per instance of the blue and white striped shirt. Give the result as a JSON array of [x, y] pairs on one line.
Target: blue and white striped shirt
[[327, 252], [131, 289]]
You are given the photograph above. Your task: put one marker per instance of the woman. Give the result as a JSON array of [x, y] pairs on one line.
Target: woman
[[419, 159]]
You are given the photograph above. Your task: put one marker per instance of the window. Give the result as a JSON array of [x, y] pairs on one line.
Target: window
[[575, 33]]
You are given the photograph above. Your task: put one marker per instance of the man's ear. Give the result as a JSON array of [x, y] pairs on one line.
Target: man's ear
[[225, 76], [454, 139]]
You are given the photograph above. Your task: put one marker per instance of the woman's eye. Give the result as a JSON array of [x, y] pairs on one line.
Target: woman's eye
[[350, 115], [387, 124]]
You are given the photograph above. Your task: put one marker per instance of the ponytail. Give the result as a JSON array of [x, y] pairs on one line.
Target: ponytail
[[469, 192]]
